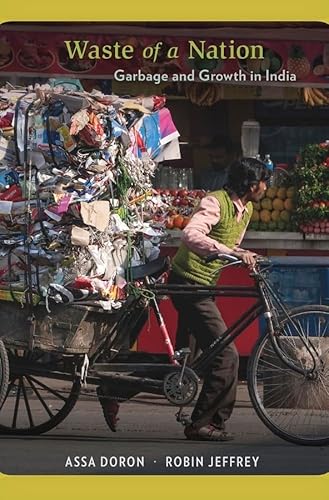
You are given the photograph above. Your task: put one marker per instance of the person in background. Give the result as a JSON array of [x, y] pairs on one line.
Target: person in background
[[217, 226], [221, 154]]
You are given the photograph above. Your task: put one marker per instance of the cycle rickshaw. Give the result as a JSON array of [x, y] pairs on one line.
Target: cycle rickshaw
[[52, 357]]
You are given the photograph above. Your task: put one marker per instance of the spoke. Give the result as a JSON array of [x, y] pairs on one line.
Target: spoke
[[277, 367], [11, 384], [27, 404], [172, 390], [291, 402], [280, 400], [324, 387], [324, 334], [46, 407], [290, 336], [49, 389], [18, 395]]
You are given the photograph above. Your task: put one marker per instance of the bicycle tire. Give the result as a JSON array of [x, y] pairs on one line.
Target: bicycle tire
[[4, 372], [265, 390]]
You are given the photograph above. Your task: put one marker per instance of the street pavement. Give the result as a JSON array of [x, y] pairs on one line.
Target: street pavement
[[150, 441]]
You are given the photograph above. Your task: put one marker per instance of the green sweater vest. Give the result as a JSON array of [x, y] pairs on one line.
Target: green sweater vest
[[191, 266]]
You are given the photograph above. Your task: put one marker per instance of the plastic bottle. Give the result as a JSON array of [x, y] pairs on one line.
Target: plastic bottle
[[59, 276], [268, 162]]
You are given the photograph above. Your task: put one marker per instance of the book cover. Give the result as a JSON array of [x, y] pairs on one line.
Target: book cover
[[112, 122]]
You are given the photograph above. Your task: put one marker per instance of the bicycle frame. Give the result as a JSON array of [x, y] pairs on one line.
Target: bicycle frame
[[265, 295], [233, 331], [262, 291]]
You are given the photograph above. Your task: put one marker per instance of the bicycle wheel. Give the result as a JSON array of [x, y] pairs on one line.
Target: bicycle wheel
[[4, 372], [292, 405], [37, 399]]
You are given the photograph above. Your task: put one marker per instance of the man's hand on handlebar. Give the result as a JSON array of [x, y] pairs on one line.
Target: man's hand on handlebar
[[248, 258]]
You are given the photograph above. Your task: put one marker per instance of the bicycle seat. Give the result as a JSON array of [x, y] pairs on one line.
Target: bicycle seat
[[156, 266]]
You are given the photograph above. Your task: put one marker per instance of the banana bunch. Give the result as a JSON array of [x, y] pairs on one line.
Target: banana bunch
[[314, 97], [203, 94]]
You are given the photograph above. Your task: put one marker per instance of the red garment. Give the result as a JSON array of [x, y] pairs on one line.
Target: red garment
[[6, 121]]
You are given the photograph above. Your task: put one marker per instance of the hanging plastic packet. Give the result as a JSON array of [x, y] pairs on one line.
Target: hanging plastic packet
[[14, 193], [39, 133], [69, 142], [8, 178]]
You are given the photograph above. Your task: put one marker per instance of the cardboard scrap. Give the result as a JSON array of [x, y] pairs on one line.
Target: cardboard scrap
[[96, 214], [79, 236]]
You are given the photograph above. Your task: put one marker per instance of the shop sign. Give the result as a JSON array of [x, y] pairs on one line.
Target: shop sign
[[206, 59]]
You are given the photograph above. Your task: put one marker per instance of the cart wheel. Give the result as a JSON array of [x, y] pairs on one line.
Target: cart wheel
[[4, 372], [40, 394]]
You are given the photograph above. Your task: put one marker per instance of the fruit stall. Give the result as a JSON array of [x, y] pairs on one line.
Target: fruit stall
[[290, 224]]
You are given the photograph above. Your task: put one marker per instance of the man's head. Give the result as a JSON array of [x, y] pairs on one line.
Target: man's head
[[221, 152], [248, 179]]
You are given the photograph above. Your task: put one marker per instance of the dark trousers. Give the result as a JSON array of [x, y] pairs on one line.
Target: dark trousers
[[200, 317]]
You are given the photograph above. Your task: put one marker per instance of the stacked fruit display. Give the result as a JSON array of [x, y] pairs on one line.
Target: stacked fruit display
[[178, 205], [312, 189], [274, 211]]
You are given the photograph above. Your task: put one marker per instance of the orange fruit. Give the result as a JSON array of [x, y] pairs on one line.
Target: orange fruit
[[278, 204], [288, 204], [271, 192], [285, 216], [265, 215], [275, 215], [282, 193], [266, 203], [178, 221], [185, 222]]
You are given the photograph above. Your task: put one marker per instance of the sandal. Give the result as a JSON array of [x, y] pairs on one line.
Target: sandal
[[207, 433]]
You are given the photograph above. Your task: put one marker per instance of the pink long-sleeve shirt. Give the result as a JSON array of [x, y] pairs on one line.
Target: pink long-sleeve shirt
[[195, 235]]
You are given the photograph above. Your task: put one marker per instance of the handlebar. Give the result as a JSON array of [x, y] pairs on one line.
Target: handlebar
[[221, 256], [234, 260]]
